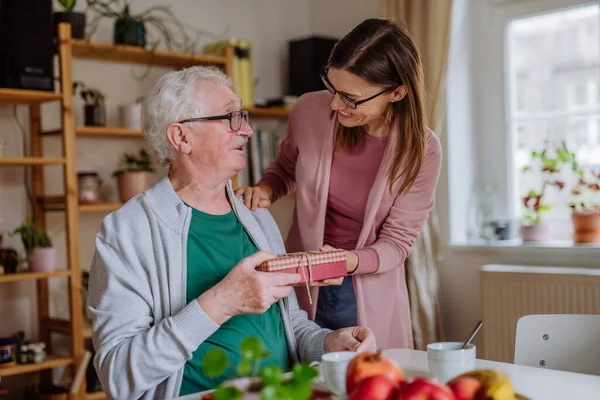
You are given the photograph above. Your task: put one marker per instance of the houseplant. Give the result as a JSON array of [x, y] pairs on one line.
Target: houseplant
[[41, 255], [94, 109], [132, 174], [131, 28], [550, 163], [586, 208], [268, 382], [76, 19]]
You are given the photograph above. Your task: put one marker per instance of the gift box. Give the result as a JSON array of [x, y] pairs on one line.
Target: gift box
[[312, 266]]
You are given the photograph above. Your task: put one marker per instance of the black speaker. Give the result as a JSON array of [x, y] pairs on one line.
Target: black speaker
[[26, 44], [307, 58]]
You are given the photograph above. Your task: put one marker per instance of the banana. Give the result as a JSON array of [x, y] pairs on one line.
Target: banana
[[495, 385]]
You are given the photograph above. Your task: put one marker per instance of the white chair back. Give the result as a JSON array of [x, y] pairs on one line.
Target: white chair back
[[563, 342]]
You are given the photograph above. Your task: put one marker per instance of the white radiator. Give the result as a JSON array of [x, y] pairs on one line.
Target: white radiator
[[509, 292]]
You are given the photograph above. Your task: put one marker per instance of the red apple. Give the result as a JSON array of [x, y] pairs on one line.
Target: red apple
[[367, 364], [465, 388], [377, 387], [423, 389]]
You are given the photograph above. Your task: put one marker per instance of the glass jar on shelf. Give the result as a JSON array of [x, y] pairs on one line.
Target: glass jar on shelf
[[89, 187]]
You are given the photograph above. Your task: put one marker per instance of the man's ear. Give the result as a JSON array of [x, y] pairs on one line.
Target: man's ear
[[179, 137]]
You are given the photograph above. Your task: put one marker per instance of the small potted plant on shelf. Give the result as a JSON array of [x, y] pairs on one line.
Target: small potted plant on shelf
[[41, 255], [94, 109], [76, 19], [132, 174], [533, 226], [131, 114], [586, 208]]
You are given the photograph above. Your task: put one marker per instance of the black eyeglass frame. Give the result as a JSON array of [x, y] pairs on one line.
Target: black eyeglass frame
[[229, 116], [353, 104]]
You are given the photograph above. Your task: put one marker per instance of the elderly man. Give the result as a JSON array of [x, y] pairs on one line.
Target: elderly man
[[174, 271]]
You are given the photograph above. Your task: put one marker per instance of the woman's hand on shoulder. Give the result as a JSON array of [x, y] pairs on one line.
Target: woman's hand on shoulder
[[255, 196]]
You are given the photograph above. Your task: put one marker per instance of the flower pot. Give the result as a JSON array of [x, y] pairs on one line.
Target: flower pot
[[129, 31], [76, 19], [95, 115], [535, 233], [43, 260], [130, 115], [131, 184], [586, 227]]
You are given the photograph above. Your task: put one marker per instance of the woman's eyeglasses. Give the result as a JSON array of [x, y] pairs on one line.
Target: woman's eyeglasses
[[351, 103], [235, 119]]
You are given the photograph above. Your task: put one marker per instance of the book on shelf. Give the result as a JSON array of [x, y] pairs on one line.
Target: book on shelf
[[243, 75], [260, 151]]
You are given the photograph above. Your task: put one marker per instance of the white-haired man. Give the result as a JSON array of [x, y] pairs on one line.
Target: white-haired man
[[174, 270]]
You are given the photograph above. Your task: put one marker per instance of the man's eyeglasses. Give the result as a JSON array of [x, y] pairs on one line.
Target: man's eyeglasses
[[235, 119], [351, 103]]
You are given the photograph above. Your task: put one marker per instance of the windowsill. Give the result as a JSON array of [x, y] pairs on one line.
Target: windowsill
[[520, 245]]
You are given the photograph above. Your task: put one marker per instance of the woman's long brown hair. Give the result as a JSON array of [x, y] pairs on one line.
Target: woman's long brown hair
[[381, 52]]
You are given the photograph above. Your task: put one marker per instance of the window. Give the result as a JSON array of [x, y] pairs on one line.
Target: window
[[553, 90]]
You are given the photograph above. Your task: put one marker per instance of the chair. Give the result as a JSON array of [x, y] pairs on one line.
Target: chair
[[564, 342]]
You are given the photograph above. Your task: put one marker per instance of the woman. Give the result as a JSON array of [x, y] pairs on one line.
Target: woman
[[365, 166]]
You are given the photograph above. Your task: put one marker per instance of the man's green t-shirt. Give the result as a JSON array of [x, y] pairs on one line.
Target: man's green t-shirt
[[216, 243]]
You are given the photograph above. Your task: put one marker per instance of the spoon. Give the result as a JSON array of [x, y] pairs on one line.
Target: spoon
[[475, 330]]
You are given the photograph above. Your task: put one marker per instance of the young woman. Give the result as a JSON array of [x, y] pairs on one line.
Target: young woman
[[365, 167]]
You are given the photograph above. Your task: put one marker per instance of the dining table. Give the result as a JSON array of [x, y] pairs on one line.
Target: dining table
[[535, 383]]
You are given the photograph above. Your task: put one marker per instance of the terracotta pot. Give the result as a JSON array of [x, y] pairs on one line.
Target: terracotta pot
[[535, 233], [131, 184], [43, 260], [586, 227]]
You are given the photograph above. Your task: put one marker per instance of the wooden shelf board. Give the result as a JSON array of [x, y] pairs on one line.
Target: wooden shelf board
[[57, 203], [259, 112], [20, 96], [51, 362], [104, 131], [30, 161], [95, 396], [58, 325], [26, 276], [87, 332], [138, 55]]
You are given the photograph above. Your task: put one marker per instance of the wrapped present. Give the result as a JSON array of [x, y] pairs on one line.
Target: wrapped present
[[312, 266]]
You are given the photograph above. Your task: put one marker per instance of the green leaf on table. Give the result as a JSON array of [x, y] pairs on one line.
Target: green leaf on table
[[252, 348], [227, 393], [276, 392], [214, 363], [244, 368], [304, 373], [271, 375], [301, 390]]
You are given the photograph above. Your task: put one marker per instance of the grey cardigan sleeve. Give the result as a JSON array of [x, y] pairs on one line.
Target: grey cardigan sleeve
[[309, 335], [135, 353]]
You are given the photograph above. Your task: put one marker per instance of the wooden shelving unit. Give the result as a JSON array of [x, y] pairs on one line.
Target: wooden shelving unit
[[259, 112], [25, 161], [107, 132], [95, 396], [18, 96], [31, 276]]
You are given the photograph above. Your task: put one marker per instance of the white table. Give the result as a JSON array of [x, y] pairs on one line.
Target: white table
[[534, 383]]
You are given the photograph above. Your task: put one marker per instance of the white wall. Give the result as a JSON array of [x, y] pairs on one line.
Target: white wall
[[336, 17], [474, 152]]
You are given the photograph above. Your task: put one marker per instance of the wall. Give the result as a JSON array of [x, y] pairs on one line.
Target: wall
[[476, 123], [336, 18]]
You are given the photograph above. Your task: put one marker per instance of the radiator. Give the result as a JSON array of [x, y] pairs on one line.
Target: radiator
[[509, 292]]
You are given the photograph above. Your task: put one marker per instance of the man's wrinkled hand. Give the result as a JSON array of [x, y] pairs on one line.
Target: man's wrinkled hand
[[355, 338]]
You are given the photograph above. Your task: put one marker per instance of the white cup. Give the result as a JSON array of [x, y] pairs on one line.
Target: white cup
[[446, 359], [333, 368]]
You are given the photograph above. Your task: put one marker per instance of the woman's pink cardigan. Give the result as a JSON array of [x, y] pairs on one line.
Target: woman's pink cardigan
[[391, 224]]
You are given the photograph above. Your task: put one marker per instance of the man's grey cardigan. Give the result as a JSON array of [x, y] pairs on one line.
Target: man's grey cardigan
[[143, 330]]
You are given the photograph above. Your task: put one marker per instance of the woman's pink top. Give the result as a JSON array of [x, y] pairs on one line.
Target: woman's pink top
[[390, 225]]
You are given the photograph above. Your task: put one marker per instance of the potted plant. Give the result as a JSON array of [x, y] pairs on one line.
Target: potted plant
[[76, 19], [132, 174], [131, 114], [131, 29], [533, 226], [94, 109], [253, 382], [41, 255], [586, 208], [9, 261]]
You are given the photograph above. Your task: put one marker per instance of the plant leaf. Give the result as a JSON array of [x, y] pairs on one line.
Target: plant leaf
[[244, 368], [227, 393], [301, 390], [304, 373], [271, 375], [214, 363], [276, 392], [252, 348]]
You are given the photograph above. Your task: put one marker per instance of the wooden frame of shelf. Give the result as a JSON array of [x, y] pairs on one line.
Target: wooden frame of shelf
[[51, 362], [24, 161], [107, 131], [95, 396], [268, 112], [19, 96], [30, 276]]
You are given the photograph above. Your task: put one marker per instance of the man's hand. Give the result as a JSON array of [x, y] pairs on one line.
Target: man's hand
[[246, 291], [356, 338], [256, 196]]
